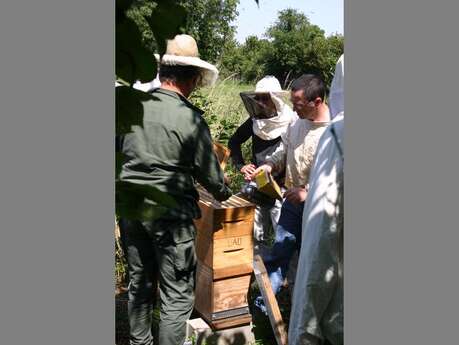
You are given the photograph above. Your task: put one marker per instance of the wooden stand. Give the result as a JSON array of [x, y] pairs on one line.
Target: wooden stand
[[274, 314], [224, 247]]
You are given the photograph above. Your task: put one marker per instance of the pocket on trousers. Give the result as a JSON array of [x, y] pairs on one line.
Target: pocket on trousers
[[185, 256]]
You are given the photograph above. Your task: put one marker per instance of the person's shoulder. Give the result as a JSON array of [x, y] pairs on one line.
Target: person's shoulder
[[295, 126], [176, 99], [180, 105]]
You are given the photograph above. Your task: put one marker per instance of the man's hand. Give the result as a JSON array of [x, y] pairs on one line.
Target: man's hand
[[296, 195], [226, 179], [247, 170], [266, 167]]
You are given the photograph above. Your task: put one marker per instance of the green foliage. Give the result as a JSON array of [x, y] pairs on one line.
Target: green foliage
[[223, 108], [166, 21], [209, 22], [224, 113], [292, 46], [133, 61], [247, 61], [138, 12]]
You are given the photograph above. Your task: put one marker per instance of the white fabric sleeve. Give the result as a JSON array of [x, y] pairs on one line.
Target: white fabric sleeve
[[277, 159]]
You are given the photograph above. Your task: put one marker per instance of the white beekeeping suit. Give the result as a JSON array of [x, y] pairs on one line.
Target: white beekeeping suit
[[317, 306], [337, 89], [149, 86], [145, 87], [269, 126]]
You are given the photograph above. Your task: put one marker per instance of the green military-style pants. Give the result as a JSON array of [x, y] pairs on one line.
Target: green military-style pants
[[160, 252]]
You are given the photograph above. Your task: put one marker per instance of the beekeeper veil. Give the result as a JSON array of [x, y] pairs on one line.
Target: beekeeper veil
[[337, 89], [267, 106]]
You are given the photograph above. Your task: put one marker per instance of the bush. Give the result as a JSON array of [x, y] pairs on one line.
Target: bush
[[291, 47], [224, 112]]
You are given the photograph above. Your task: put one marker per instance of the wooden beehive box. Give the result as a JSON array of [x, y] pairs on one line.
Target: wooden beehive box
[[224, 247]]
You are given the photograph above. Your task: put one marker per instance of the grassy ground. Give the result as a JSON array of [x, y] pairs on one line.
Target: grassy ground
[[224, 112]]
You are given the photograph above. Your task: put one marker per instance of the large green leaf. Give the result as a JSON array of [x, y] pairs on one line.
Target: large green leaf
[[124, 65], [133, 61], [165, 22], [123, 5], [129, 108]]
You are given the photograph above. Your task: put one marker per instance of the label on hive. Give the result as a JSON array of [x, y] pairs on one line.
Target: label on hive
[[235, 242]]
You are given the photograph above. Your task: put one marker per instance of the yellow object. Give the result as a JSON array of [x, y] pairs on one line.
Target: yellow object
[[267, 185]]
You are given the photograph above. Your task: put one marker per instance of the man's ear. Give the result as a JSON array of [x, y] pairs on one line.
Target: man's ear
[[318, 101], [194, 83], [190, 85]]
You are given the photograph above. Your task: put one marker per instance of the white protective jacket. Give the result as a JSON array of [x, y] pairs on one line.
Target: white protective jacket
[[317, 305], [296, 152]]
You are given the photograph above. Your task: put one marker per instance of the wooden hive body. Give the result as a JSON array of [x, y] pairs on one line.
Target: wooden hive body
[[224, 247]]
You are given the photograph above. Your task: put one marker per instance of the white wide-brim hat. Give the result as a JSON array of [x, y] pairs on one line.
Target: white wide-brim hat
[[269, 84], [183, 51]]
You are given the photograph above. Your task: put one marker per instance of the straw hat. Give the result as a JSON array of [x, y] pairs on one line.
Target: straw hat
[[183, 51]]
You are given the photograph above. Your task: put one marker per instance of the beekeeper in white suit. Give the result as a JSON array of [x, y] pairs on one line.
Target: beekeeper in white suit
[[269, 118], [317, 308]]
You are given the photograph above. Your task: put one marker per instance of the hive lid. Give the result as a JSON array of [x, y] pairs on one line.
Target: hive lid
[[233, 202]]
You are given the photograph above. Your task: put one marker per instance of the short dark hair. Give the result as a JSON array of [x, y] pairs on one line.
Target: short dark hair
[[312, 85], [177, 73]]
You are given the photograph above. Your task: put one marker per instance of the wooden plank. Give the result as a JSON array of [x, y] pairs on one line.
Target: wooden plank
[[233, 214], [232, 251], [231, 293], [215, 218], [207, 227], [204, 295], [225, 252], [232, 245], [204, 248], [272, 307], [233, 229], [232, 271]]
